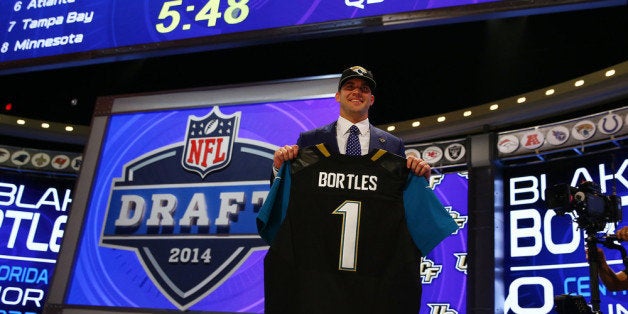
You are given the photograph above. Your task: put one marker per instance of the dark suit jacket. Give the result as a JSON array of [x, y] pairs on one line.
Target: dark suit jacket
[[380, 139]]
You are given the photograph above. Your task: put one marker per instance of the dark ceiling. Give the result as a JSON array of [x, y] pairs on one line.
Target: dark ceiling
[[420, 71]]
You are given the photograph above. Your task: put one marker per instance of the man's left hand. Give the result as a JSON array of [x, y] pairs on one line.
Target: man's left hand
[[419, 167]]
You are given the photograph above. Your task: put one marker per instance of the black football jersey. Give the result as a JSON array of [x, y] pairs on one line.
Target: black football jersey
[[344, 245]]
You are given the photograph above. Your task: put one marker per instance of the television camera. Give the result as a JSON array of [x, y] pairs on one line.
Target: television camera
[[593, 209]]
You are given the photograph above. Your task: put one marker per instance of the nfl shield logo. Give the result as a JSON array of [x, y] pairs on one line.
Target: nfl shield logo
[[209, 142]]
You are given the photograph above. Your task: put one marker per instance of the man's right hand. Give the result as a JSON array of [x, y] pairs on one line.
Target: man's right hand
[[282, 154]]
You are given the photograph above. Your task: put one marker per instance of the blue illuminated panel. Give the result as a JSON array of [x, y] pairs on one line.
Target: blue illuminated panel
[[544, 253], [33, 212], [446, 266]]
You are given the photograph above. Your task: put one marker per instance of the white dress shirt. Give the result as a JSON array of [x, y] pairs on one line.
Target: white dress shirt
[[342, 134]]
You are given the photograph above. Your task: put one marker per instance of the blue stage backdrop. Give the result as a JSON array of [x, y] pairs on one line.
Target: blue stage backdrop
[[170, 217], [446, 266]]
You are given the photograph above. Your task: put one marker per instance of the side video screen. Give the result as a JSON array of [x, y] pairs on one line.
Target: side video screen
[[544, 252], [34, 209]]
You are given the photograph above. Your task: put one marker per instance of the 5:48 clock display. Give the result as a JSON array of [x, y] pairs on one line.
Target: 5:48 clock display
[[170, 15]]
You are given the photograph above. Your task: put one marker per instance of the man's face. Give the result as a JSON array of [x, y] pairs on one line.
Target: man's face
[[355, 98]]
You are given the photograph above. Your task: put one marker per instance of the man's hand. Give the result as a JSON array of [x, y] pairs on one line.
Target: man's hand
[[622, 234], [287, 152], [419, 167]]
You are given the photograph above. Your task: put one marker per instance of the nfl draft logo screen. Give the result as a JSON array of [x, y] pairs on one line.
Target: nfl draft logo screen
[[188, 209]]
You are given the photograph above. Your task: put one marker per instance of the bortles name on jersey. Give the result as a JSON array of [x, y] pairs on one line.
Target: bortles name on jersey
[[348, 181]]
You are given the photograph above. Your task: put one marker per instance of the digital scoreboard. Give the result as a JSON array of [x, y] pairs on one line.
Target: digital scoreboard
[[32, 29], [46, 33]]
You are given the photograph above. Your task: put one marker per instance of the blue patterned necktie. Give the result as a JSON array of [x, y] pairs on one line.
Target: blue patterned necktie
[[353, 143]]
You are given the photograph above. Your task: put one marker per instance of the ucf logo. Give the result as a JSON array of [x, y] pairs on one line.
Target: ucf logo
[[189, 234]]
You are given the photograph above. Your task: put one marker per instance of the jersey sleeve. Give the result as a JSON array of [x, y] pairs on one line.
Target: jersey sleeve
[[428, 221], [273, 211]]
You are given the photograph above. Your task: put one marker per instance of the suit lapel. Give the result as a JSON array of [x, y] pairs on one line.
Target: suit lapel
[[330, 137], [377, 140]]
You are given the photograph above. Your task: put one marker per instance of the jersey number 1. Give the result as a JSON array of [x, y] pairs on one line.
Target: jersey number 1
[[350, 211]]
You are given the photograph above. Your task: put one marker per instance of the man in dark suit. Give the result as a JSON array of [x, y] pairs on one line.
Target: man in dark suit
[[355, 96]]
